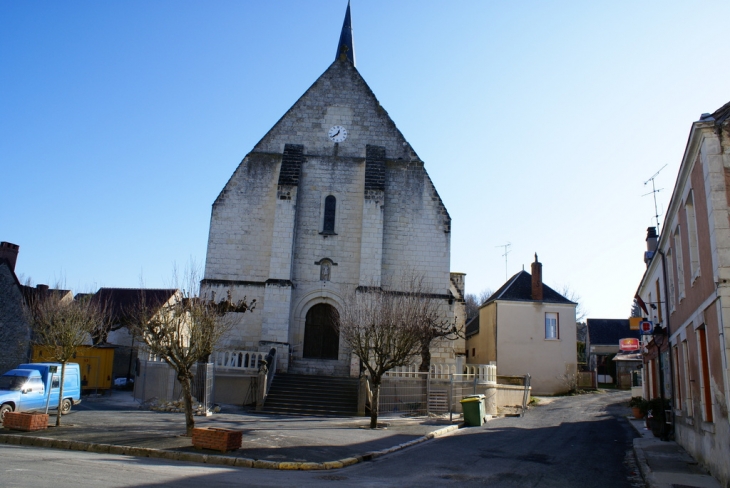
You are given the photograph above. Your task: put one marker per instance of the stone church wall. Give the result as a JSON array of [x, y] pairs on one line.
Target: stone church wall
[[416, 231], [266, 236], [242, 221]]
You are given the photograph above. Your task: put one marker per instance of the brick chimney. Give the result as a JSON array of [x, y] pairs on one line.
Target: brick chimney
[[651, 244], [536, 279], [9, 252]]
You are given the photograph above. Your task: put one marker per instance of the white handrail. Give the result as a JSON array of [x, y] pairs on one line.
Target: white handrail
[[484, 373], [239, 360]]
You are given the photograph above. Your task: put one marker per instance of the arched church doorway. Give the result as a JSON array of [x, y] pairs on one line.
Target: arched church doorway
[[321, 340]]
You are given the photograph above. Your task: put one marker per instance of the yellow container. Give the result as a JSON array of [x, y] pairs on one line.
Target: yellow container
[[95, 363]]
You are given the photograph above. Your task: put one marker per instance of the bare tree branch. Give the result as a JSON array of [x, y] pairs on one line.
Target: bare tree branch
[[386, 329], [185, 331], [61, 324]]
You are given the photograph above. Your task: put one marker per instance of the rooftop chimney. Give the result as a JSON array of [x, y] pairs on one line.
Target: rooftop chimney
[[9, 252], [536, 280], [651, 244]]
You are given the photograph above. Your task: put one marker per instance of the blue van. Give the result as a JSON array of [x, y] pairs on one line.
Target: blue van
[[26, 388]]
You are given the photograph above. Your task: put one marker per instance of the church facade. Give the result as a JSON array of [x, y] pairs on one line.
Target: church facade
[[332, 200]]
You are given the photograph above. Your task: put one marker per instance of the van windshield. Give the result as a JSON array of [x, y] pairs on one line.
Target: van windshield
[[13, 383]]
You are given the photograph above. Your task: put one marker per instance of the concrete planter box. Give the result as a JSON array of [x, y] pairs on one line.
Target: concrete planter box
[[217, 439], [25, 421]]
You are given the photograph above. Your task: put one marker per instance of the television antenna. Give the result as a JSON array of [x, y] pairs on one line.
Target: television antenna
[[654, 191], [506, 252]]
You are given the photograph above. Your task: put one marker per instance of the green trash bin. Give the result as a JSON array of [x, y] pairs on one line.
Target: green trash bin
[[473, 408]]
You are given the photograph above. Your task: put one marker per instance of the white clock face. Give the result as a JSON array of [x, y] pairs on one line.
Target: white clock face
[[337, 133]]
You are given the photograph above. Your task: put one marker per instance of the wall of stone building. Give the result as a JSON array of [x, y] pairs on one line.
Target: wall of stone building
[[242, 222], [416, 234], [265, 233], [343, 179], [709, 450], [246, 332], [14, 331]]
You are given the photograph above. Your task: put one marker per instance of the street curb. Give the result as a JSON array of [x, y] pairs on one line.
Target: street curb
[[23, 440], [646, 472]]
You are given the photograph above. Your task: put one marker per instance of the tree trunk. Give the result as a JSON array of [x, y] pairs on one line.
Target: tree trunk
[[60, 392], [374, 407], [185, 383]]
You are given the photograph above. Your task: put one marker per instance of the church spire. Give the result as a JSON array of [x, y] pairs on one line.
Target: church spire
[[346, 48]]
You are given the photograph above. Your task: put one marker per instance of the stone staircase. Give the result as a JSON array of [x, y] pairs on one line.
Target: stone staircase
[[295, 394], [318, 367]]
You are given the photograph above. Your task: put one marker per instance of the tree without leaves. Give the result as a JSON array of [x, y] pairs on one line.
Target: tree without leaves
[[473, 302], [385, 329], [570, 294], [185, 330], [61, 324]]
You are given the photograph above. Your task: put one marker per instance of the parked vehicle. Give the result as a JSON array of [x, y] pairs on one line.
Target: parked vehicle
[[27, 388]]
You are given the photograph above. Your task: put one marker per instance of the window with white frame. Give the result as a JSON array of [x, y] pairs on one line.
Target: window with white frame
[[694, 248], [679, 263], [551, 325]]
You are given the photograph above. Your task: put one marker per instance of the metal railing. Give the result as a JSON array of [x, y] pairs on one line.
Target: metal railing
[[271, 362], [405, 391]]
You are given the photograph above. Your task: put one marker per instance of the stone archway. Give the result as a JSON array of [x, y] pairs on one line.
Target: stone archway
[[321, 340]]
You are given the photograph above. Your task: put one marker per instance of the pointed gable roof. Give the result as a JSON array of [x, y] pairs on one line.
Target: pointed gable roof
[[609, 331], [123, 301], [519, 289], [340, 85], [346, 47]]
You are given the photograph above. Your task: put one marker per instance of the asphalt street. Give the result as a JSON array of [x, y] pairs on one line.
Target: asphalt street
[[572, 441]]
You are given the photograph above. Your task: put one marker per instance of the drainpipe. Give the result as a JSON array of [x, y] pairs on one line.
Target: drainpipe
[[670, 434]]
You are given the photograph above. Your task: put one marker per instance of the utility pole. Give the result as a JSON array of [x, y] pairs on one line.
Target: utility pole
[[654, 191], [506, 252]]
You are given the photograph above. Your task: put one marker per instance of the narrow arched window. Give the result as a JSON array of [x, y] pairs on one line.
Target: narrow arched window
[[330, 204]]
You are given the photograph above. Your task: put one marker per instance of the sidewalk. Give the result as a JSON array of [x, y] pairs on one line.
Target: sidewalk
[[667, 464], [116, 425]]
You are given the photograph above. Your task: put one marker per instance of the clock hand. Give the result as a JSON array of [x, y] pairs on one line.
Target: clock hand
[[337, 134]]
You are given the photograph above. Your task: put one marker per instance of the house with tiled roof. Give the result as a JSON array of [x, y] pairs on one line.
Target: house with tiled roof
[[602, 347], [526, 327], [122, 305]]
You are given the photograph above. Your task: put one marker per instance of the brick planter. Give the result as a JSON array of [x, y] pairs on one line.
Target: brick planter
[[25, 421], [217, 439]]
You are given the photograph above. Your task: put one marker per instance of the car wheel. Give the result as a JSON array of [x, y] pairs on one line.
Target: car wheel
[[5, 409], [66, 406]]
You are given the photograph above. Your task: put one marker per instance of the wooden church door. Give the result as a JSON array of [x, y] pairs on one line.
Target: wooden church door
[[321, 340]]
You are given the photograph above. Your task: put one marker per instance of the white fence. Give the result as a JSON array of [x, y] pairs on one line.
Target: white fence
[[483, 373], [239, 360]]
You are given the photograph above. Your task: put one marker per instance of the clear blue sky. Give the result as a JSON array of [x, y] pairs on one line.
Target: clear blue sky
[[538, 122]]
